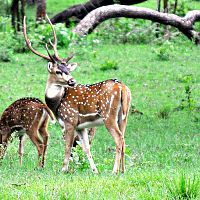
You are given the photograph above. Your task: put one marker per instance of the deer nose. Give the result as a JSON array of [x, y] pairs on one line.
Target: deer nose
[[72, 82]]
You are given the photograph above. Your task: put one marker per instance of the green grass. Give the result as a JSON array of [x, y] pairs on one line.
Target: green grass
[[157, 149], [162, 145]]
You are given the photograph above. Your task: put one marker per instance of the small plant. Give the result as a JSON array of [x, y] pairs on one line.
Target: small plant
[[164, 112], [183, 187], [79, 159], [109, 65], [164, 52], [188, 102]]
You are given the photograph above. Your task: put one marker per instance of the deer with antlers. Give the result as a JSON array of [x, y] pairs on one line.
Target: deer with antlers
[[78, 107], [30, 116]]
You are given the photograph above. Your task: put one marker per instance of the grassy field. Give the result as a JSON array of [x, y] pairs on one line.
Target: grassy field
[[162, 145]]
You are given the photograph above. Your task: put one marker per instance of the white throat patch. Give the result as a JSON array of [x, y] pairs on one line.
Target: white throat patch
[[54, 91]]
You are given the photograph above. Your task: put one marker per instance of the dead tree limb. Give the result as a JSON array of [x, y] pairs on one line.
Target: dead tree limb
[[183, 24], [77, 12]]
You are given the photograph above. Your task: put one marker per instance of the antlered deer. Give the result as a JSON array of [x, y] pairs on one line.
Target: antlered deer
[[78, 107], [30, 116]]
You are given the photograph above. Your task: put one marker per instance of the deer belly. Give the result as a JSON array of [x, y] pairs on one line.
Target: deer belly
[[89, 121]]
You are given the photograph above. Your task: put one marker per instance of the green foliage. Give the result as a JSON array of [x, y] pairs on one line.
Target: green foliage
[[5, 55], [182, 7], [124, 31], [5, 24], [5, 7], [44, 32], [164, 51], [79, 160]]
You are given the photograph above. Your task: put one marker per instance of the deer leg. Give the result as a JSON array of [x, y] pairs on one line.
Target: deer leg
[[38, 143], [1, 147], [119, 141], [43, 132], [21, 149], [69, 139], [123, 157], [83, 137], [122, 126], [91, 134]]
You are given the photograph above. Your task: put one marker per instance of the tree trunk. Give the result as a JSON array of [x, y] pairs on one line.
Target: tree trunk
[[165, 6], [183, 24], [41, 10], [158, 5], [175, 6], [17, 12], [166, 10], [77, 12]]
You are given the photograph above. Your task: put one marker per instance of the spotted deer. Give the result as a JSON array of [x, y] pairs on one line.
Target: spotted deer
[[30, 116], [79, 107]]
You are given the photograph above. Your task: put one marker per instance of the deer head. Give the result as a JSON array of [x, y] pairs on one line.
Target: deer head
[[59, 69]]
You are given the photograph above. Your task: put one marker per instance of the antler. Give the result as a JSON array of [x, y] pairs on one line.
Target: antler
[[46, 46], [68, 58], [54, 45], [29, 43]]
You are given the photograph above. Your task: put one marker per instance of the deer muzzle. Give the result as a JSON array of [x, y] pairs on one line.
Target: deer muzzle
[[72, 82]]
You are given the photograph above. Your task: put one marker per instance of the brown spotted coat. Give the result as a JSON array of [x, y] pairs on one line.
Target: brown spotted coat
[[26, 115]]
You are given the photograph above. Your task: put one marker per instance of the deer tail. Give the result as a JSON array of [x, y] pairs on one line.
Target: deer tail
[[50, 113], [125, 101]]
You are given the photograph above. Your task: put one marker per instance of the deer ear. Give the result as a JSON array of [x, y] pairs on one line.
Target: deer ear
[[50, 66], [72, 66]]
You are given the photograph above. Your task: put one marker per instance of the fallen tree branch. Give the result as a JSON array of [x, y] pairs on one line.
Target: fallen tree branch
[[77, 12], [183, 24]]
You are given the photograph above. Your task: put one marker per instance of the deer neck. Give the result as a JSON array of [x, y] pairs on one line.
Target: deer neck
[[53, 95]]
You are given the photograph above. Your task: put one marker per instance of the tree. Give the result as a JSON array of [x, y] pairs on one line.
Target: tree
[[41, 10], [183, 24], [17, 12], [77, 12]]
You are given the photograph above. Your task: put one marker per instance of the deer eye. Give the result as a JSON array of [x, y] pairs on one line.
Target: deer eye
[[58, 72]]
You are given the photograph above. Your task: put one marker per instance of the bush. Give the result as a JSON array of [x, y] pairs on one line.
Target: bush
[[44, 32]]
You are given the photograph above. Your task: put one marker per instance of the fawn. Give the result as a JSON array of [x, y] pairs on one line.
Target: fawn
[[30, 116]]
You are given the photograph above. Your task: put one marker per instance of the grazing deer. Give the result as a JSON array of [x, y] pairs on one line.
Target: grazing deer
[[78, 107], [30, 116]]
